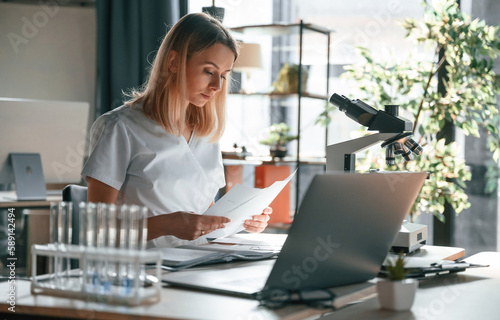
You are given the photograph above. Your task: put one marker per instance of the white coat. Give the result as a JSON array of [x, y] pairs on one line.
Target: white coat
[[153, 168]]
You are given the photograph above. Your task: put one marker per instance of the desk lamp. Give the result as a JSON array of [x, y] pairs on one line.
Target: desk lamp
[[393, 130]]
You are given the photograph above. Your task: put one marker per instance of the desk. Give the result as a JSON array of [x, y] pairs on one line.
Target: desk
[[32, 225], [439, 252], [472, 294], [7, 201]]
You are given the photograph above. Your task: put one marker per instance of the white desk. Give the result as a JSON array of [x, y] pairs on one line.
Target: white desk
[[8, 200], [32, 224], [473, 294]]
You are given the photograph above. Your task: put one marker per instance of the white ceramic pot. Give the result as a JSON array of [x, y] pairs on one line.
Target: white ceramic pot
[[396, 295]]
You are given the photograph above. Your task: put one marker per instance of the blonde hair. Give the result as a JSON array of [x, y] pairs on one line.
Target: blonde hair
[[163, 97]]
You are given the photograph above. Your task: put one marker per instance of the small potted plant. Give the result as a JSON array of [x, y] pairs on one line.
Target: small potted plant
[[396, 292], [277, 139]]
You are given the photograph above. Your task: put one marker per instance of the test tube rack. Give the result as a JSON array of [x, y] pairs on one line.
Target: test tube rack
[[137, 288]]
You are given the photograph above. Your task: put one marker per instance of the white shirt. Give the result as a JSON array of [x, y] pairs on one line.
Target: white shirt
[[153, 168]]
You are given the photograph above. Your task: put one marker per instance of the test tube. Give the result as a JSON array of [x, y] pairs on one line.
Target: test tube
[[53, 222], [91, 226], [68, 236], [54, 262], [62, 216], [101, 224], [82, 216], [135, 274], [111, 227], [143, 228], [90, 236], [142, 240], [111, 269], [103, 281], [125, 242], [82, 238], [61, 232], [134, 215]]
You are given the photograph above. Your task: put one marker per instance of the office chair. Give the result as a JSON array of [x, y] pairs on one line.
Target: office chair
[[75, 194]]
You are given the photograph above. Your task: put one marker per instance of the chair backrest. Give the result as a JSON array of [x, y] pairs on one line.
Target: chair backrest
[[75, 194]]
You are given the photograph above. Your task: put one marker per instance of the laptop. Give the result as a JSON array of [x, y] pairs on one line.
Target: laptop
[[341, 234]]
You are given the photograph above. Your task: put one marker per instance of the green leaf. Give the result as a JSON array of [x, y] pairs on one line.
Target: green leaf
[[469, 99]]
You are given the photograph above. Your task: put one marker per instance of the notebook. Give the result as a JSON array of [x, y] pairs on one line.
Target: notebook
[[340, 235]]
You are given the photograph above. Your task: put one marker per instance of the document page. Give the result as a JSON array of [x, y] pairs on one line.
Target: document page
[[254, 241], [182, 256], [241, 203]]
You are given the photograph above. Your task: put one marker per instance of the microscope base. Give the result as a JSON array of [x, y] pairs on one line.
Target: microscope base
[[411, 237]]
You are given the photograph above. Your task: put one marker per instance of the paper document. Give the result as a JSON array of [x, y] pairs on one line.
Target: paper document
[[241, 203], [254, 241], [189, 256], [181, 256]]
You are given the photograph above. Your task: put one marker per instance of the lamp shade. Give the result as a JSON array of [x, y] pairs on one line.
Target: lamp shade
[[249, 59], [216, 12]]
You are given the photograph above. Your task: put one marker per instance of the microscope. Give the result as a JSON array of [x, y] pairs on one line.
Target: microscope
[[393, 130], [395, 134]]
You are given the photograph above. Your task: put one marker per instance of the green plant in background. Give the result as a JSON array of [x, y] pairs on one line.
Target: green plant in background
[[288, 79], [468, 49], [278, 135]]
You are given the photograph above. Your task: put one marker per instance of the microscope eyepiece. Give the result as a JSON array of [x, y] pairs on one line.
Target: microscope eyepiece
[[357, 110]]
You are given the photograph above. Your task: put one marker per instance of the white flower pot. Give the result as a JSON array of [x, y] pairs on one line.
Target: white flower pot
[[396, 295]]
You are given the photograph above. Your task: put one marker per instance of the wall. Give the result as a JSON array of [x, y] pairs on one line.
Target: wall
[[48, 52]]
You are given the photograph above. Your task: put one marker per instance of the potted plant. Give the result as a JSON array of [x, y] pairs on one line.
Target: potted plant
[[396, 292], [277, 139], [288, 79]]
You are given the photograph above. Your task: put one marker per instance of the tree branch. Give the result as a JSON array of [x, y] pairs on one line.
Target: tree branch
[[431, 75]]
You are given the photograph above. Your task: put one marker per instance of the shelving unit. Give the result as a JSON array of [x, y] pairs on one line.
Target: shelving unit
[[300, 29]]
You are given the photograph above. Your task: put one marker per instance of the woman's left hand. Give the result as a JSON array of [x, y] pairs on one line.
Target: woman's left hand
[[258, 222]]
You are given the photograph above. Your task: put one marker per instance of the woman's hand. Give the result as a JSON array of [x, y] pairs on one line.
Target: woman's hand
[[258, 222], [184, 225]]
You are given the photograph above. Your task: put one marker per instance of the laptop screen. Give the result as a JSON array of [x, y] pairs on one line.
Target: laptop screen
[[344, 228]]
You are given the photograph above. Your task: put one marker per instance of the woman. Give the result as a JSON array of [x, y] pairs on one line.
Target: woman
[[160, 149]]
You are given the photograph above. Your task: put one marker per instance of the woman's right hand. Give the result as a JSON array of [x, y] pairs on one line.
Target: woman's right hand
[[184, 225]]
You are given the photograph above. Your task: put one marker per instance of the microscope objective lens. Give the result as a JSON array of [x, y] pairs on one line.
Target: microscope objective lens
[[413, 146], [398, 148], [390, 158]]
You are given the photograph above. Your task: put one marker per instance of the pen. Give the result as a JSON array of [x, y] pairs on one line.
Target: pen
[[451, 266]]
